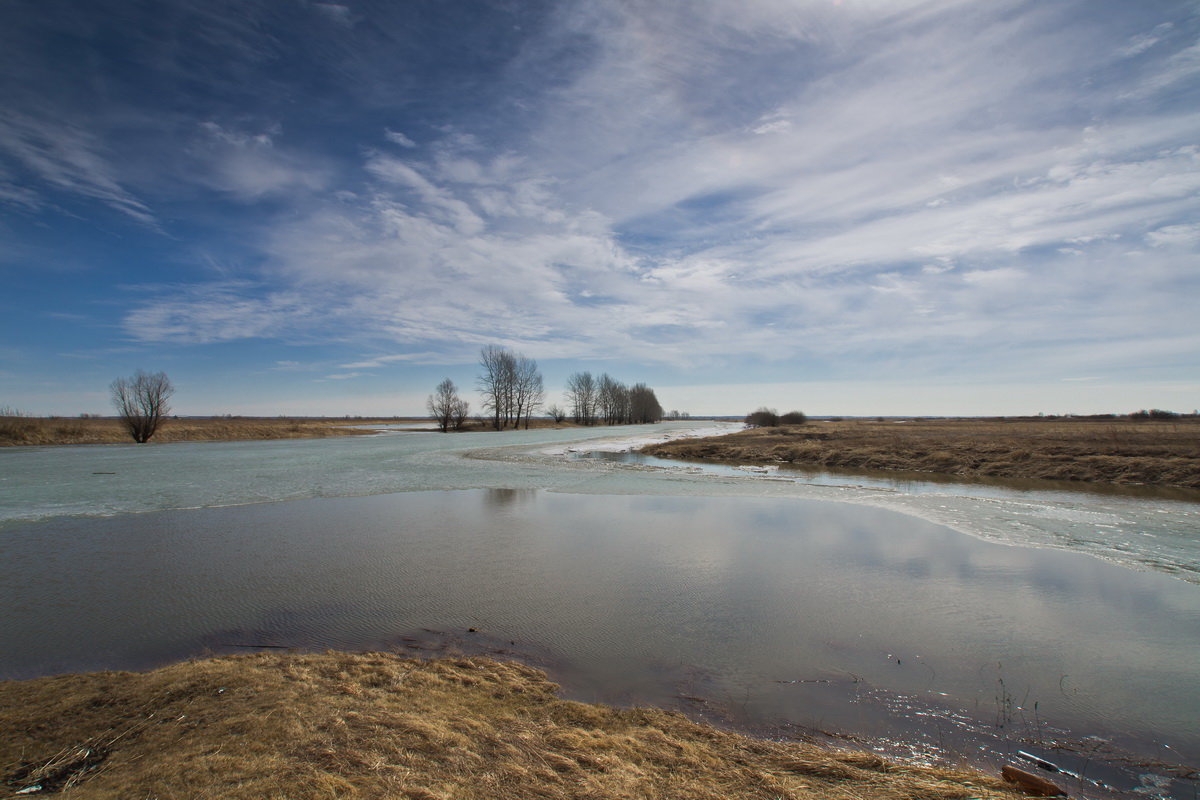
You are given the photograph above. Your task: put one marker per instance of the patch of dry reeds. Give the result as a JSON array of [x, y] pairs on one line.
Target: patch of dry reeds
[[378, 725], [1122, 451]]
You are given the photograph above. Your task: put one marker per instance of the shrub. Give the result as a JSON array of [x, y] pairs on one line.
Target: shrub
[[763, 418], [793, 418], [1154, 413]]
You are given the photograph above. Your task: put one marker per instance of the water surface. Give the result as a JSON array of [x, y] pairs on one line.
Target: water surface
[[748, 598]]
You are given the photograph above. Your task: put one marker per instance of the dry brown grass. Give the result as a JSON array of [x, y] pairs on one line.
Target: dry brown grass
[[1162, 453], [343, 725], [108, 430]]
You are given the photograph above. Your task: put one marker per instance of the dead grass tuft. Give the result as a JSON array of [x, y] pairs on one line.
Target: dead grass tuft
[[285, 725]]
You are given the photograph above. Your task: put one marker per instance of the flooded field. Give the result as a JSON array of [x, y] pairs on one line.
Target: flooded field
[[1066, 625]]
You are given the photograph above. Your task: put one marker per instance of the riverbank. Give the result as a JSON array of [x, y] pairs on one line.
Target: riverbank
[[378, 725], [1113, 450], [16, 431]]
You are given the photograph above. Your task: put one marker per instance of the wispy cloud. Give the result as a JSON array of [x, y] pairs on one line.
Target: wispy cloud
[[336, 12], [1142, 42], [937, 187], [221, 312], [396, 137], [250, 165], [65, 157], [873, 198], [428, 357]]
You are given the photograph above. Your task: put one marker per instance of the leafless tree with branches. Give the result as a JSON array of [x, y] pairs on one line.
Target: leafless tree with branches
[[141, 402], [528, 389], [458, 414], [511, 386], [495, 384], [643, 405], [443, 404], [581, 394]]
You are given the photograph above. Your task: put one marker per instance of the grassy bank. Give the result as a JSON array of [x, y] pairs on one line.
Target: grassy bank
[[1161, 453], [108, 430], [377, 725]]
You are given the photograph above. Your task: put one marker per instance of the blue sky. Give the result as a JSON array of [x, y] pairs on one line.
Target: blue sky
[[854, 207]]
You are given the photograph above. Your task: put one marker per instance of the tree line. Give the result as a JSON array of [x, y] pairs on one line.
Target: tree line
[[512, 390], [606, 400], [510, 385]]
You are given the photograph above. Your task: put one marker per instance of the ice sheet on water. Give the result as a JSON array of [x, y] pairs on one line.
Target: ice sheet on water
[[44, 483], [624, 444]]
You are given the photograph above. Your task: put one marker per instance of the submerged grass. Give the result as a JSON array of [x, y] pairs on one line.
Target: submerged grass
[[378, 725], [1100, 450]]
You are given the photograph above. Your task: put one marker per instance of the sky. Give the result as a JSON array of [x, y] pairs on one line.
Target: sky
[[851, 207]]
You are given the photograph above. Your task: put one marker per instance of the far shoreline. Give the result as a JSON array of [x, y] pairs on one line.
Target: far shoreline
[[1081, 450], [65, 431], [1105, 451]]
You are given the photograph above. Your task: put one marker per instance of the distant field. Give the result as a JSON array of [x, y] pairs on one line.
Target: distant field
[[108, 430], [1118, 450], [76, 430]]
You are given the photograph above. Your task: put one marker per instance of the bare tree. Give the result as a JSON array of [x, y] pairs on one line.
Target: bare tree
[[643, 405], [459, 412], [556, 413], [612, 400], [511, 386], [528, 389], [141, 402], [443, 403], [581, 394], [607, 389], [496, 383]]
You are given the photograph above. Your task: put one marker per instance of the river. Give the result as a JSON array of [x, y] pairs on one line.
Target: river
[[933, 620]]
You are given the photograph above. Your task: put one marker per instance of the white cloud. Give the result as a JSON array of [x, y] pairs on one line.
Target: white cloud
[[399, 138], [66, 157], [453, 210], [219, 313], [14, 193], [1187, 235], [944, 196], [338, 13], [1142, 42], [251, 166], [1182, 66], [427, 357]]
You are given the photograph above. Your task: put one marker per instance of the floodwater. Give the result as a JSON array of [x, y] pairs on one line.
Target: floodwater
[[938, 621]]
